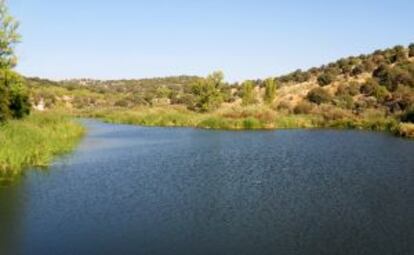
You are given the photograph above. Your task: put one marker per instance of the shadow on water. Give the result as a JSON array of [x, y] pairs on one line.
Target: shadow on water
[[11, 209]]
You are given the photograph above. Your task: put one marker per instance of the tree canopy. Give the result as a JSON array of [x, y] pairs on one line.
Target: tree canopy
[[14, 99], [207, 93], [270, 91]]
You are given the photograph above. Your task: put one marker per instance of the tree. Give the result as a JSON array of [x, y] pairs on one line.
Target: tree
[[270, 91], [249, 95], [14, 100], [8, 37], [19, 104], [207, 93]]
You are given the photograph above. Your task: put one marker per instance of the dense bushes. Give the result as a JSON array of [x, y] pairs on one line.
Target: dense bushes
[[392, 77], [348, 89], [408, 116], [325, 79], [357, 70], [14, 99], [344, 101], [207, 93], [297, 76]]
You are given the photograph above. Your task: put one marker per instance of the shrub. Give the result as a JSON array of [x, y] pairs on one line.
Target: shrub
[[401, 100], [297, 76], [330, 113], [368, 65], [122, 103], [359, 69], [391, 78], [399, 53], [411, 50], [284, 105], [380, 93], [303, 107], [349, 89], [318, 96], [368, 87], [403, 74], [408, 116], [344, 101], [383, 74], [405, 130], [325, 79]]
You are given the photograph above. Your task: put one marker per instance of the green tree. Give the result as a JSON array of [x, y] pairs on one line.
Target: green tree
[[8, 37], [14, 100], [270, 91], [249, 95], [19, 104], [207, 93]]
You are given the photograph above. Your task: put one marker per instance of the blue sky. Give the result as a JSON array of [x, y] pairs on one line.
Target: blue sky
[[109, 39]]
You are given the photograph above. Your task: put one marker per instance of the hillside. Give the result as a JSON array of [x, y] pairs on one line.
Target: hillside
[[374, 91]]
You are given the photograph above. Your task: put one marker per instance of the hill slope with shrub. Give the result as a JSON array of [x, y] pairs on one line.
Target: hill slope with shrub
[[374, 91]]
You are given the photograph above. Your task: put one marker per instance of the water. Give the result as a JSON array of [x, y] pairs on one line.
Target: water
[[135, 190]]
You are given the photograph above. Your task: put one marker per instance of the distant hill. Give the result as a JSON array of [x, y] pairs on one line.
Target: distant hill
[[376, 85]]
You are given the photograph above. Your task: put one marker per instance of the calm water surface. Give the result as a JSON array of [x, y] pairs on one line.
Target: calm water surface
[[135, 190]]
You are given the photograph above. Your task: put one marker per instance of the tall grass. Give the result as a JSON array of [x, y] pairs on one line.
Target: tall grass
[[248, 118], [245, 118], [34, 141]]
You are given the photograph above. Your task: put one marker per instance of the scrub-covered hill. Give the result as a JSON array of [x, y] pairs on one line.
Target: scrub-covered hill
[[374, 91]]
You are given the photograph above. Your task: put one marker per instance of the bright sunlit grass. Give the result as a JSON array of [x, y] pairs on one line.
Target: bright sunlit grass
[[35, 140]]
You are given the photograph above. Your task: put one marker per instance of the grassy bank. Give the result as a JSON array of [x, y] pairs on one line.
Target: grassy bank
[[33, 141], [247, 118]]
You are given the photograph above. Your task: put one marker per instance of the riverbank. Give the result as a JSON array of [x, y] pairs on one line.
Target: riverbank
[[34, 141], [247, 118]]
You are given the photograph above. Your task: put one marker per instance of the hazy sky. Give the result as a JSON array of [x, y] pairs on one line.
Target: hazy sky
[[111, 39]]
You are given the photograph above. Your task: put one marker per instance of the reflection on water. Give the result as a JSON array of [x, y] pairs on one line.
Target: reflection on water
[[133, 190], [11, 208]]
